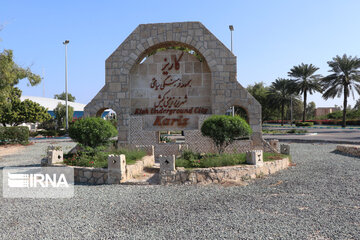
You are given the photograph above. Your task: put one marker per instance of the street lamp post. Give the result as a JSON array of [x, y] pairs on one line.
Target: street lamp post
[[231, 27], [66, 86]]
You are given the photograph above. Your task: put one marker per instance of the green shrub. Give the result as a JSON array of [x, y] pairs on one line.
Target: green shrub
[[33, 134], [297, 131], [304, 124], [92, 131], [223, 130], [97, 157], [14, 135], [190, 159], [48, 125]]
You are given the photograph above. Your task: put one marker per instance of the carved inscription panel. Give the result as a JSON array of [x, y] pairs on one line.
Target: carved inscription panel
[[170, 89]]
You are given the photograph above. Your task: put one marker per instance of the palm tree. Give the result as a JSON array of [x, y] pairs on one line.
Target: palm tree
[[345, 78], [306, 81], [280, 94]]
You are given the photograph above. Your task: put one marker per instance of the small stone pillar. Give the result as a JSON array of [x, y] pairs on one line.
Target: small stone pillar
[[255, 157], [116, 169], [274, 143], [54, 156], [167, 169], [285, 149], [167, 164]]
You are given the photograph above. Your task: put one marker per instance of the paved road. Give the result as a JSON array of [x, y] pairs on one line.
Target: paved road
[[335, 135], [319, 198]]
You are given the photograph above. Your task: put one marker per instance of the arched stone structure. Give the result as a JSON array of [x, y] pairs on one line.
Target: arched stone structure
[[225, 90]]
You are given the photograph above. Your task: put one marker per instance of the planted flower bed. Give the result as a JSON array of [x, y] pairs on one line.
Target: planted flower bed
[[190, 159], [97, 157]]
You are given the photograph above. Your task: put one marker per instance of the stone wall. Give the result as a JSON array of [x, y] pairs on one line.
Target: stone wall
[[89, 175], [349, 149], [232, 174], [194, 141]]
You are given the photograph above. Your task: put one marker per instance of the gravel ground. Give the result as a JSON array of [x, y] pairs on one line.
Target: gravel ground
[[319, 198]]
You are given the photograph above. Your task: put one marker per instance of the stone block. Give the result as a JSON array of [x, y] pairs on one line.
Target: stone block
[[55, 156], [167, 163], [254, 157], [285, 149], [274, 143], [116, 168]]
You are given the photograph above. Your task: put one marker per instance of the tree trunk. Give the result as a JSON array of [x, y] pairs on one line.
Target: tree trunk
[[345, 106], [282, 114], [305, 99]]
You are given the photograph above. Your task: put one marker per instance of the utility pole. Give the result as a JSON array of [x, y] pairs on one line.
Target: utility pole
[[66, 86]]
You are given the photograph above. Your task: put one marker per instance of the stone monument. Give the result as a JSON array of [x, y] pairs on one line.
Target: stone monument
[[172, 76]]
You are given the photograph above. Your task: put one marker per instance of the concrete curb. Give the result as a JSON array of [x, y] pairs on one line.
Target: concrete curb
[[315, 141]]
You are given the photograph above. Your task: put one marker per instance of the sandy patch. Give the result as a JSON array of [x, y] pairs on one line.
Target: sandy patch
[[10, 149]]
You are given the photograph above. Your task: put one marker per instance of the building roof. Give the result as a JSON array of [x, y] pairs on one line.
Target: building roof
[[51, 103]]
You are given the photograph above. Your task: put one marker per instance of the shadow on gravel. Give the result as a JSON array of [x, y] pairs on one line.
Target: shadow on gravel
[[344, 154]]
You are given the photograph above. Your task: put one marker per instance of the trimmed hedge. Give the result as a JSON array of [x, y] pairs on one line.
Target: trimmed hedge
[[304, 124], [351, 122], [14, 135]]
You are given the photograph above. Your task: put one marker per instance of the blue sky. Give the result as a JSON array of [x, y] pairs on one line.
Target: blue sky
[[269, 38]]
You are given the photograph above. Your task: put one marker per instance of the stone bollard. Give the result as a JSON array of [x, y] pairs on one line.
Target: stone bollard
[[285, 149], [255, 157], [274, 143], [153, 151], [116, 169], [167, 164], [54, 156], [167, 169]]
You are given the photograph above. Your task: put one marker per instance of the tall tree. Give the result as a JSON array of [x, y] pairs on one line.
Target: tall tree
[[306, 81], [62, 96], [12, 110], [15, 111], [310, 110], [60, 114], [11, 74], [357, 105], [344, 79], [280, 94], [260, 93]]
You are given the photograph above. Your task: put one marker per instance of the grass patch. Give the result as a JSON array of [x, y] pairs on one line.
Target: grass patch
[[97, 157], [196, 160], [273, 156]]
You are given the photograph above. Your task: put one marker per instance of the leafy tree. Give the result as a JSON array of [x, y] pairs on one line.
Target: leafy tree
[[260, 93], [12, 110], [15, 112], [11, 74], [357, 105], [223, 130], [62, 96], [8, 112], [92, 131], [306, 81], [344, 79], [297, 108], [310, 110], [60, 114], [280, 94], [32, 112]]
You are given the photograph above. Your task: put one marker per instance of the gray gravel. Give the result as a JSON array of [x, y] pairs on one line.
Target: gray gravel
[[319, 198]]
